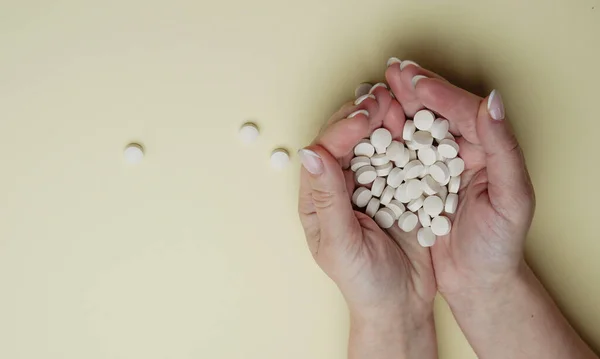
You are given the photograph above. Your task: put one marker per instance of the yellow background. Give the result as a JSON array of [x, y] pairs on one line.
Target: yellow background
[[197, 252]]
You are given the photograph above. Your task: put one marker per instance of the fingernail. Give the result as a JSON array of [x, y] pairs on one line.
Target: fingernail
[[393, 60], [362, 89], [416, 79], [408, 62], [359, 112], [362, 98], [380, 84], [311, 161], [496, 106]]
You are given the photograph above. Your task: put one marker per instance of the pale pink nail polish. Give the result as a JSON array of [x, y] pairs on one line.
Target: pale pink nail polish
[[311, 161], [495, 106]]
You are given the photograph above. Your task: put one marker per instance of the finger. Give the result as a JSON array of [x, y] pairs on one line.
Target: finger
[[340, 114], [384, 99], [369, 103], [362, 89], [340, 138], [308, 214], [394, 120]]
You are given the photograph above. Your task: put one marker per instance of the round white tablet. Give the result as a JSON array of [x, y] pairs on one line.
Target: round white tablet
[[448, 148], [433, 205], [380, 150], [366, 174], [379, 159], [427, 155], [372, 207], [361, 197], [397, 207], [364, 148], [422, 139], [424, 218], [424, 119], [358, 162], [424, 172], [279, 159], [443, 193], [441, 225], [408, 131], [440, 172], [414, 189], [385, 218], [439, 157], [430, 186], [413, 169], [408, 221], [451, 203], [425, 237], [415, 204], [396, 151], [378, 186], [395, 177], [401, 194], [412, 155], [454, 185], [387, 195], [384, 170], [362, 89], [248, 132], [439, 128], [456, 166], [411, 145], [381, 138], [133, 153]]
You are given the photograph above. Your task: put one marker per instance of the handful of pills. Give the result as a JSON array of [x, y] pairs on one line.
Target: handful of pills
[[408, 183]]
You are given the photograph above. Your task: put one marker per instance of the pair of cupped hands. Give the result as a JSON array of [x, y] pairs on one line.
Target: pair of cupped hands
[[385, 274]]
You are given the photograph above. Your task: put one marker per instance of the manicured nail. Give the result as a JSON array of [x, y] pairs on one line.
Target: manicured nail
[[416, 79], [359, 112], [362, 89], [362, 98], [311, 161], [496, 106], [380, 84], [393, 60], [408, 62]]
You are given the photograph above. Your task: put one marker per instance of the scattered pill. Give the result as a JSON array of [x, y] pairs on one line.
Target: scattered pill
[[451, 203], [409, 130], [415, 204], [424, 217], [372, 207], [358, 162], [385, 218], [379, 159], [441, 225], [395, 177], [397, 207], [364, 148], [248, 132], [433, 205], [381, 138], [279, 159], [439, 128], [134, 153], [361, 197], [425, 237], [408, 221], [448, 148], [366, 175], [424, 119], [440, 172], [378, 186], [454, 185], [387, 195], [456, 166], [414, 188], [427, 155], [384, 170]]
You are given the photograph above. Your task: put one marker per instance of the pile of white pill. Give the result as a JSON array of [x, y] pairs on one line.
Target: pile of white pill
[[408, 183]]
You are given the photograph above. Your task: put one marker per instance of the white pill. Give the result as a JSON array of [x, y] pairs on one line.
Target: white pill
[[397, 207], [450, 136], [456, 166], [427, 155], [451, 203], [454, 184], [424, 119], [413, 169], [366, 174], [379, 159], [424, 172], [439, 128], [411, 145], [415, 204], [395, 177], [430, 186], [404, 160], [387, 195], [425, 237], [414, 189], [401, 194], [422, 139], [372, 207], [408, 131], [385, 218], [408, 221], [384, 170], [448, 148], [396, 151], [378, 186], [362, 89], [412, 155], [248, 132], [441, 225], [133, 153], [380, 150], [443, 193], [361, 197], [280, 159], [440, 172], [424, 218], [358, 162], [439, 157], [433, 205], [364, 148], [381, 138]]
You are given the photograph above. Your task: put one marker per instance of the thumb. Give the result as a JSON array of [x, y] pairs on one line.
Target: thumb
[[509, 185], [328, 192]]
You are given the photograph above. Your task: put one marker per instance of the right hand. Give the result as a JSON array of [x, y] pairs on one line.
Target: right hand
[[485, 247]]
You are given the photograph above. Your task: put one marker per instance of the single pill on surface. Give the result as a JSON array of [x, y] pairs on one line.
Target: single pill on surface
[[133, 153], [409, 130], [413, 169], [372, 207], [379, 159], [401, 194], [378, 186], [384, 170], [362, 89], [408, 221], [448, 148], [430, 186], [433, 205], [441, 225], [422, 139], [381, 138], [451, 203], [364, 148], [427, 155], [387, 195], [440, 172], [412, 154], [248, 132], [456, 166], [385, 218], [425, 237], [366, 174], [424, 119], [358, 162], [395, 177], [416, 204], [439, 128], [361, 197], [414, 188], [397, 207], [396, 151], [454, 185], [424, 218], [280, 159]]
